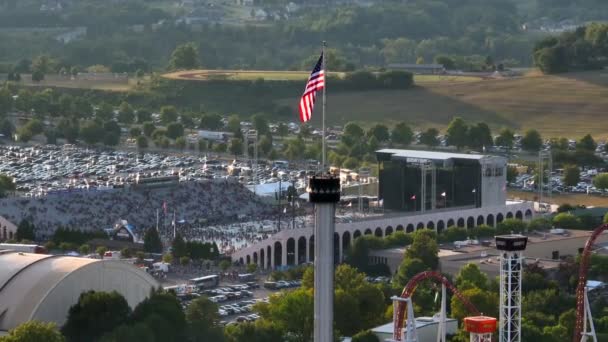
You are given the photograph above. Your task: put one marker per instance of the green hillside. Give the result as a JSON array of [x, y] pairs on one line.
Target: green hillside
[[565, 105]]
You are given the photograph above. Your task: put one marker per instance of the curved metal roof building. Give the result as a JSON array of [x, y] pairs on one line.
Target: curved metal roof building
[[44, 287]]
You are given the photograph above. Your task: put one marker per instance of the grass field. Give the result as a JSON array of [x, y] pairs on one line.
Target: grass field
[[569, 105]]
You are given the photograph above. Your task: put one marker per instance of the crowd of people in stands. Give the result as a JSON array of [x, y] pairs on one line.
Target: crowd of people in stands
[[188, 204]]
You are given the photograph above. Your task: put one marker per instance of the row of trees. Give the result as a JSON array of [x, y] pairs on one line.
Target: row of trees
[[584, 48]]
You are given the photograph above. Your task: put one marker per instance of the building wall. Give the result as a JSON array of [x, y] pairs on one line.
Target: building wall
[[345, 233], [8, 230], [493, 181]]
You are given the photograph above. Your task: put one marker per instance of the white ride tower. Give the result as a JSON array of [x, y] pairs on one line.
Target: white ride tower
[[480, 327], [511, 272]]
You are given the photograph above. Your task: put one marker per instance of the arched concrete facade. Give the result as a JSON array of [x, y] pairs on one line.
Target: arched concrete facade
[[296, 246]]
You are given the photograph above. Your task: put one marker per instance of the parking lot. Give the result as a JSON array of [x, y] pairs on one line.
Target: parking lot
[[236, 300]]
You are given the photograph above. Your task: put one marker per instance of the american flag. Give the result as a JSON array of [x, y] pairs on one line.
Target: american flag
[[316, 82]]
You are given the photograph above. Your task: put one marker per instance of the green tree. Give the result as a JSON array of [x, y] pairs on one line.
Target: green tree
[[484, 301], [236, 147], [203, 320], [352, 133], [380, 132], [6, 100], [180, 143], [365, 336], [164, 316], [225, 265], [143, 115], [457, 133], [260, 124], [95, 314], [294, 149], [211, 122], [567, 220], [202, 145], [126, 115], [128, 333], [92, 132], [112, 133], [251, 268], [586, 143], [429, 137], [282, 129], [175, 130], [480, 136], [260, 331], [234, 124], [470, 276], [511, 225], [424, 247], [292, 312], [152, 242], [185, 56], [601, 181], [148, 128], [512, 174], [572, 175], [7, 128], [84, 249], [104, 112], [168, 114], [220, 148], [7, 185], [126, 253], [505, 138], [25, 231], [168, 258], [178, 246], [402, 134], [34, 331], [531, 141], [265, 145], [551, 60], [135, 132], [101, 251], [142, 142], [407, 270]]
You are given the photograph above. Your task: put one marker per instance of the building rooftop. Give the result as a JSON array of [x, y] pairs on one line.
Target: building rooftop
[[420, 322], [431, 155]]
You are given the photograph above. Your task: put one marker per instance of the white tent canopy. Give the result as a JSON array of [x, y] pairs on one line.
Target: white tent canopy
[[269, 189]]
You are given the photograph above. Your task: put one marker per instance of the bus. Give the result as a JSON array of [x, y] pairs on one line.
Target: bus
[[206, 282], [19, 247]]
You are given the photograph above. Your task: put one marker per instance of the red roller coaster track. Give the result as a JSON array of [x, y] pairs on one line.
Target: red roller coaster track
[[409, 289], [582, 282]]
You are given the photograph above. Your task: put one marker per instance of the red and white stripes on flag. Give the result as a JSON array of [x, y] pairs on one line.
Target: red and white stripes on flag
[[316, 82]]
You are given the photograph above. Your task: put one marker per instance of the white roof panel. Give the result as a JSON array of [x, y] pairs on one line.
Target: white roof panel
[[432, 155]]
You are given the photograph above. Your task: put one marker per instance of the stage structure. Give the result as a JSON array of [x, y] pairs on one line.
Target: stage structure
[[419, 181]]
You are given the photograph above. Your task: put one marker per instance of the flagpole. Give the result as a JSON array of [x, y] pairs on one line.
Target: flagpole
[[323, 119]]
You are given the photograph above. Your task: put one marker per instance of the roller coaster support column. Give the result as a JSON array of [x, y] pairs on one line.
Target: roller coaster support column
[[324, 193], [410, 324], [441, 332], [588, 319]]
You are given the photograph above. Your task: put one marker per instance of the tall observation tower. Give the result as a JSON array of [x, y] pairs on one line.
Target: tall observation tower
[[511, 272]]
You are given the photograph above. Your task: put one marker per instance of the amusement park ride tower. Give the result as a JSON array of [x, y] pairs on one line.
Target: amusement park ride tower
[[480, 327], [511, 272]]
